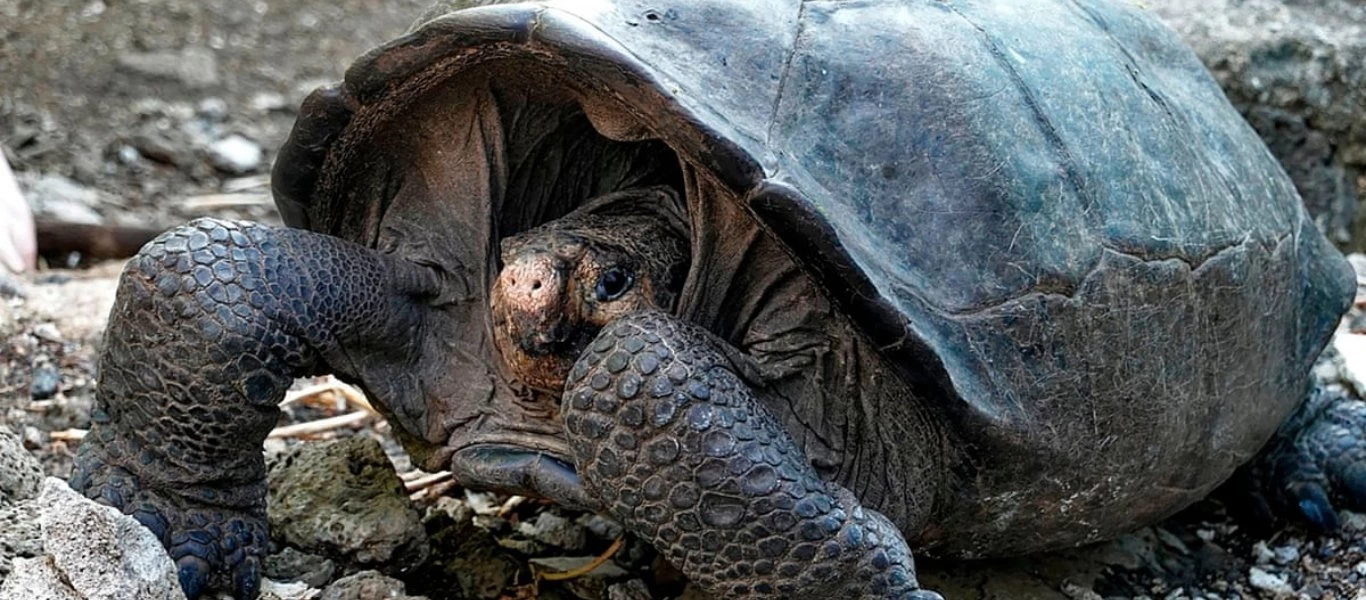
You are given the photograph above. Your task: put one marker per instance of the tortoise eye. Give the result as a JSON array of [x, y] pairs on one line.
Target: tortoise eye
[[613, 284]]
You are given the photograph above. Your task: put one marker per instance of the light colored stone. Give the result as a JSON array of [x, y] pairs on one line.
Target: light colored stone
[[1351, 360], [194, 67], [20, 476], [1269, 582], [20, 536], [100, 552], [236, 155], [20, 472], [367, 585], [36, 579], [294, 590], [59, 198]]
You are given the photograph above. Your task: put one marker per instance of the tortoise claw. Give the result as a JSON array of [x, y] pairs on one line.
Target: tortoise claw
[[194, 575], [1316, 507]]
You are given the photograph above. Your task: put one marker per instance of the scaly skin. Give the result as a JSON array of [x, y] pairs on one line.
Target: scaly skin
[[211, 324], [676, 445], [1316, 464]]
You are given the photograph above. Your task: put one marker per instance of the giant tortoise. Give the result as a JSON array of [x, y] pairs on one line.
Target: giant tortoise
[[789, 288]]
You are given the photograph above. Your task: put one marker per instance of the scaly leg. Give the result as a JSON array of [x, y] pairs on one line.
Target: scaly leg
[[676, 445], [212, 322]]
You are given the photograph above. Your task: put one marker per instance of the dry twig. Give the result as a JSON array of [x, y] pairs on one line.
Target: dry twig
[[587, 568], [320, 425]]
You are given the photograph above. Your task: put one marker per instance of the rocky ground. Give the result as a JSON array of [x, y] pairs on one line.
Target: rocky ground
[[152, 112]]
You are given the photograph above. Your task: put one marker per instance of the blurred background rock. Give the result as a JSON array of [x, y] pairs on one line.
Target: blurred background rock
[[148, 112]]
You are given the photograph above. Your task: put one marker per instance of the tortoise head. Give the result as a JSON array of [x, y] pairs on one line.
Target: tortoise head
[[563, 282]]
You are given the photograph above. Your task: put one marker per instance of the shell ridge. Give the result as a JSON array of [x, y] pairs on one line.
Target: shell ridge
[[1194, 265], [785, 75]]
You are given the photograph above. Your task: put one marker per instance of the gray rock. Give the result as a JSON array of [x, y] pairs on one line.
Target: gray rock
[[20, 479], [292, 565], [20, 536], [20, 473], [634, 589], [275, 590], [554, 531], [1270, 583], [1297, 71], [36, 579], [60, 199], [45, 382], [94, 552], [342, 499], [367, 585], [235, 155], [601, 527], [268, 102], [192, 67], [212, 108]]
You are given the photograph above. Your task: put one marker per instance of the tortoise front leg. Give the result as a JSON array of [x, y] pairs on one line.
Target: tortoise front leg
[[1315, 465], [678, 448], [211, 323]]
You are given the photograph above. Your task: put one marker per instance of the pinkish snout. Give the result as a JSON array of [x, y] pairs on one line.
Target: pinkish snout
[[529, 295]]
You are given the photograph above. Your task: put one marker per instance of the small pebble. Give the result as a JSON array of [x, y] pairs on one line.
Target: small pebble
[[555, 531], [48, 332], [236, 155], [1269, 582], [1287, 554], [214, 109], [268, 101], [1262, 554], [46, 380]]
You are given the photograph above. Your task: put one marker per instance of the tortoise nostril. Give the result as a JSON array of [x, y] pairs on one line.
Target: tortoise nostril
[[536, 285]]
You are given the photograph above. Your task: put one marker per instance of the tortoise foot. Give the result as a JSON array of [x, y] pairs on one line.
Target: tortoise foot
[[213, 545], [677, 447], [212, 323], [1316, 465]]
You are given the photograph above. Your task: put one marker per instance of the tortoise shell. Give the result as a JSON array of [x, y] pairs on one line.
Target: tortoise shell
[[1046, 216]]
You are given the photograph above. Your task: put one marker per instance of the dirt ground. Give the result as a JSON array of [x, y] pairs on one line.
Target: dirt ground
[[118, 111]]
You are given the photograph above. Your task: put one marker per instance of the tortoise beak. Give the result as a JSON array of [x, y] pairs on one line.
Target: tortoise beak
[[514, 470]]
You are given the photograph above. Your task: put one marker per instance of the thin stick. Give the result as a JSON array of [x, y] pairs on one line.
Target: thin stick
[[426, 481], [512, 503], [321, 425], [68, 435], [353, 396], [437, 489], [296, 430], [587, 568]]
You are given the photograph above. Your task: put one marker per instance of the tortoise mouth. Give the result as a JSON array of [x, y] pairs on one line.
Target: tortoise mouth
[[516, 469]]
